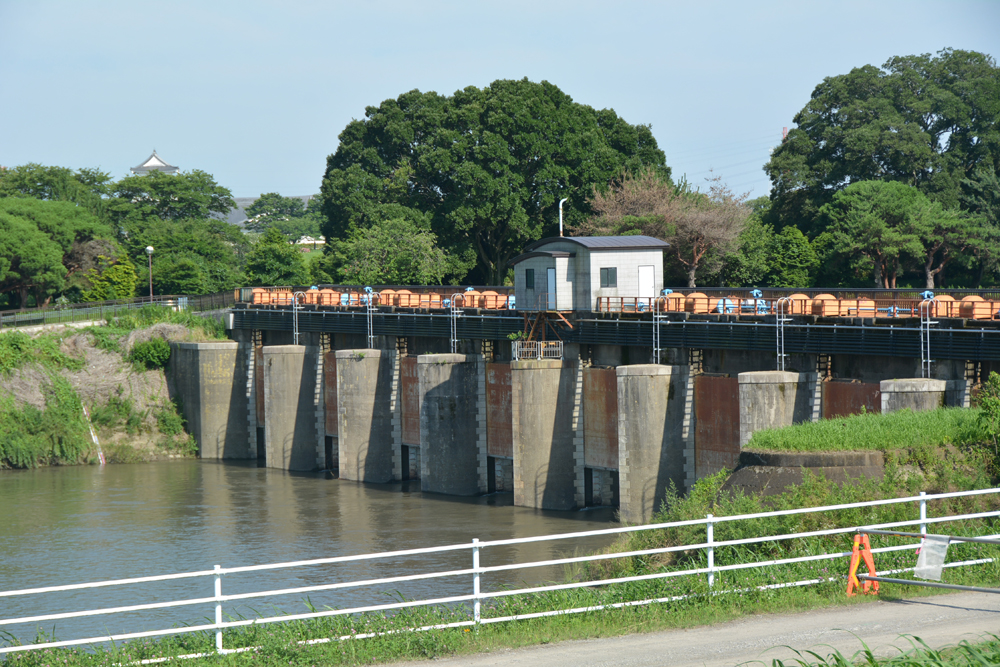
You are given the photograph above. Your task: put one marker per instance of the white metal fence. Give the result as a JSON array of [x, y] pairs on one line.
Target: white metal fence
[[478, 554], [537, 349]]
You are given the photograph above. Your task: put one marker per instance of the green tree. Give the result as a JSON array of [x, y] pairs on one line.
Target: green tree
[[483, 169], [273, 261], [748, 265], [180, 275], [115, 279], [981, 197], [394, 252], [943, 234], [873, 219], [85, 187], [270, 208], [791, 259], [184, 196], [43, 244], [926, 121]]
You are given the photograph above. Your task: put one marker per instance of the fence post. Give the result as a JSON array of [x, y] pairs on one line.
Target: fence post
[[923, 513], [710, 530], [218, 607], [475, 582]]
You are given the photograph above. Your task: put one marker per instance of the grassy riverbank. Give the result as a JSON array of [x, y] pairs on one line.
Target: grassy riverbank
[[876, 431], [116, 371], [942, 463]]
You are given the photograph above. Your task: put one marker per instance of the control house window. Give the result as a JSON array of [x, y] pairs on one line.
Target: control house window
[[609, 277], [529, 279]]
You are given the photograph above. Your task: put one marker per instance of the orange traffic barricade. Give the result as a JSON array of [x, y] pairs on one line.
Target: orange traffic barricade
[[862, 552]]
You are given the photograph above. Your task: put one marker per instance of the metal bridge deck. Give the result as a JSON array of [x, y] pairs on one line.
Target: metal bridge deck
[[949, 339]]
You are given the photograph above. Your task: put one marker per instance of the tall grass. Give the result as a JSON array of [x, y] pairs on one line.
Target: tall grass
[[965, 654], [58, 433], [884, 432], [18, 349], [30, 437]]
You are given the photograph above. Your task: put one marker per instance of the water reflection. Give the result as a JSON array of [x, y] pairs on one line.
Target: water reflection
[[71, 525]]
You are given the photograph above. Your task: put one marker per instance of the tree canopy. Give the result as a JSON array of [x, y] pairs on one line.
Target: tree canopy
[[483, 169], [289, 215], [42, 244], [701, 227], [274, 261], [928, 121], [891, 224], [394, 252], [183, 196]]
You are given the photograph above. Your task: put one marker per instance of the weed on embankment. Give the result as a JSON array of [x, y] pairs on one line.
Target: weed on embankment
[[49, 427], [876, 431]]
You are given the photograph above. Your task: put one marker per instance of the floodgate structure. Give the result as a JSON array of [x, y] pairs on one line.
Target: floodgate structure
[[603, 402]]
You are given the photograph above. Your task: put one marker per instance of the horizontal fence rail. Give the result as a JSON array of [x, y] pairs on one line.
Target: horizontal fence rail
[[874, 304], [477, 562], [101, 310]]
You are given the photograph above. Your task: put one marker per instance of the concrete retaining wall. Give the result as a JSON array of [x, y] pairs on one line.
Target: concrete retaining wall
[[917, 394], [210, 380]]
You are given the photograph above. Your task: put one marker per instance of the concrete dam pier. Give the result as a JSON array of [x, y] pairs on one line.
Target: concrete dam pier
[[587, 429]]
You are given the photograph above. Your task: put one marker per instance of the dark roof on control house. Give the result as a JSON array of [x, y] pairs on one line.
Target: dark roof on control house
[[605, 242]]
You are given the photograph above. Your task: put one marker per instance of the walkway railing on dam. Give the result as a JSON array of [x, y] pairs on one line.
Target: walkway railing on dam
[[967, 304], [99, 310], [468, 566]]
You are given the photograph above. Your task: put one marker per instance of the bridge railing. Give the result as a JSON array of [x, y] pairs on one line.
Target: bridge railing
[[352, 296], [100, 310], [536, 349], [900, 304], [468, 566]]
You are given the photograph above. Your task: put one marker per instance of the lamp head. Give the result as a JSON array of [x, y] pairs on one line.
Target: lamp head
[[149, 250]]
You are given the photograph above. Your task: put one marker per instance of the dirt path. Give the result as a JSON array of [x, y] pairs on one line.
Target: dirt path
[[940, 620]]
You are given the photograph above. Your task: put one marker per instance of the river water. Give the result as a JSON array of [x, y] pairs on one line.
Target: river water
[[86, 523]]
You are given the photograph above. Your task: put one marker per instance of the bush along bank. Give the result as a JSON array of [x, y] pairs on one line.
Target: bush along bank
[[116, 371]]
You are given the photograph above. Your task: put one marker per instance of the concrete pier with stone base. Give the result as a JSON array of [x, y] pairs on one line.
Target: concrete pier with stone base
[[452, 424]]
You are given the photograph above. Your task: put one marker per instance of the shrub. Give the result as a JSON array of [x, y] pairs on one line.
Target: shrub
[[169, 420], [989, 407], [151, 354]]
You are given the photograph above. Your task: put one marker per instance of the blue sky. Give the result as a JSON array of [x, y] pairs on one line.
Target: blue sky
[[256, 92]]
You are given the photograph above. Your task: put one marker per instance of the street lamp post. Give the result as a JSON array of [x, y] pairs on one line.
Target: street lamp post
[[149, 252]]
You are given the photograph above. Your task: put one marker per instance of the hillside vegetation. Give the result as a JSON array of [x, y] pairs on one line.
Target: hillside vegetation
[[116, 371]]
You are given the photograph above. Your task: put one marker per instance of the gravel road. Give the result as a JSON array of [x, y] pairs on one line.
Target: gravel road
[[940, 620]]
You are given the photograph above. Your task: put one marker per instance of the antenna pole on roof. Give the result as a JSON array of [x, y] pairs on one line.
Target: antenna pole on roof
[[560, 214]]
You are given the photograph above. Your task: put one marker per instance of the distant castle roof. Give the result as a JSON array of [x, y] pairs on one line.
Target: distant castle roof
[[154, 163]]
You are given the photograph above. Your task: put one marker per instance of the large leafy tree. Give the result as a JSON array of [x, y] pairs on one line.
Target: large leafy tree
[[183, 196], [483, 169], [206, 254], [394, 252], [274, 261], [701, 227], [926, 121], [791, 259], [289, 215], [85, 187], [890, 223], [42, 244], [178, 215]]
